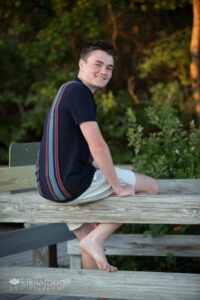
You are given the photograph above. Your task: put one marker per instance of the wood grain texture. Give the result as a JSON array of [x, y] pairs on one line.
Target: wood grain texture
[[179, 186], [75, 262], [139, 245], [19, 178], [159, 209], [177, 203], [121, 284]]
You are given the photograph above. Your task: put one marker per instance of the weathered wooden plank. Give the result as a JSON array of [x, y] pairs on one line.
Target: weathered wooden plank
[[16, 297], [25, 258], [45, 257], [40, 297], [159, 209], [75, 262], [19, 240], [139, 245], [127, 285], [179, 186], [19, 178]]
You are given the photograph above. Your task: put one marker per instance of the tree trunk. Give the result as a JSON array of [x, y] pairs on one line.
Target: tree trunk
[[195, 54]]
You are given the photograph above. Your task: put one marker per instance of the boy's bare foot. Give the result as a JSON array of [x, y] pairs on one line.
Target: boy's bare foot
[[96, 251]]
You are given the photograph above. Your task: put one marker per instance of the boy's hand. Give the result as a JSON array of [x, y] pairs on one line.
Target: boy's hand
[[125, 190]]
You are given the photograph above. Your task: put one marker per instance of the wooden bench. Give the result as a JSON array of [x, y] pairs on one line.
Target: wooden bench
[[177, 203], [41, 238]]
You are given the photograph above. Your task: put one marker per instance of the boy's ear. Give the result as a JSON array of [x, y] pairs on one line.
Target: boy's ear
[[80, 63]]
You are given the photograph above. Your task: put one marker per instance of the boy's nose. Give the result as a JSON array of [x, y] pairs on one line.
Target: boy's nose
[[103, 71]]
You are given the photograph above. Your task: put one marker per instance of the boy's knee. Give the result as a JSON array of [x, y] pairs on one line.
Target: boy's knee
[[154, 188]]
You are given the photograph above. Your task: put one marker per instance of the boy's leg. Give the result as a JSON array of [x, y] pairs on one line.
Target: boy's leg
[[87, 261], [92, 238], [93, 245], [145, 185]]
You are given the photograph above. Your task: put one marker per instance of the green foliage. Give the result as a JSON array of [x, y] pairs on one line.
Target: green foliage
[[40, 42], [169, 151], [156, 230], [165, 66], [170, 51], [112, 120], [166, 150]]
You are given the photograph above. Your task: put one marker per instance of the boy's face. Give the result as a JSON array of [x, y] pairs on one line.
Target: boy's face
[[96, 70]]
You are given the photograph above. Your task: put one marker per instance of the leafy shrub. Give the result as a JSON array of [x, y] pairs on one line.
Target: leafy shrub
[[169, 151], [166, 151]]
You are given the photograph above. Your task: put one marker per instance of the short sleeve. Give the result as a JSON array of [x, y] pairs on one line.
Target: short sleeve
[[81, 104]]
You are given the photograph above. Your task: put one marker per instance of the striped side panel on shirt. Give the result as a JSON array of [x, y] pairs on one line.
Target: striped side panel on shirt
[[52, 173]]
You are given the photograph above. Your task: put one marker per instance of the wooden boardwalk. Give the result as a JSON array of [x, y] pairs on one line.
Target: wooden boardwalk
[[177, 204], [25, 259]]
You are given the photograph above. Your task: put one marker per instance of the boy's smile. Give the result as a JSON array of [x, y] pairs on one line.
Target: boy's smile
[[96, 70]]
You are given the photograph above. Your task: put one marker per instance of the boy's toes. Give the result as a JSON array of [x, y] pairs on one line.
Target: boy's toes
[[113, 269]]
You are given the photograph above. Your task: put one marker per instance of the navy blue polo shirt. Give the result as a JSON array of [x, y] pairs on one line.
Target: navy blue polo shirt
[[64, 168]]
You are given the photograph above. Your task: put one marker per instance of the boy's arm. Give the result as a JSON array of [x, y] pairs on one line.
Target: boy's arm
[[102, 157]]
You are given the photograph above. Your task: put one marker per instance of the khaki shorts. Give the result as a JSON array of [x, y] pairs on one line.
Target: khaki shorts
[[100, 188]]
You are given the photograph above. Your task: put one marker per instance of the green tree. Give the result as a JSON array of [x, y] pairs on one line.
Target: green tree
[[40, 43]]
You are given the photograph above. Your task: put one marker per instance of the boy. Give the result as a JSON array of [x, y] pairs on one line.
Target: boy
[[72, 141]]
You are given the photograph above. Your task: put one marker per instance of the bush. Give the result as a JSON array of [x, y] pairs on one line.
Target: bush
[[169, 150], [166, 151]]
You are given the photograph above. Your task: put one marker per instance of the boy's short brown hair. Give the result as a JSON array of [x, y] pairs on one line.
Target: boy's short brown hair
[[98, 45]]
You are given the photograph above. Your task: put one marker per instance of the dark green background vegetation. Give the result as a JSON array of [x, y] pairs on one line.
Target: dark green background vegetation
[[40, 42]]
